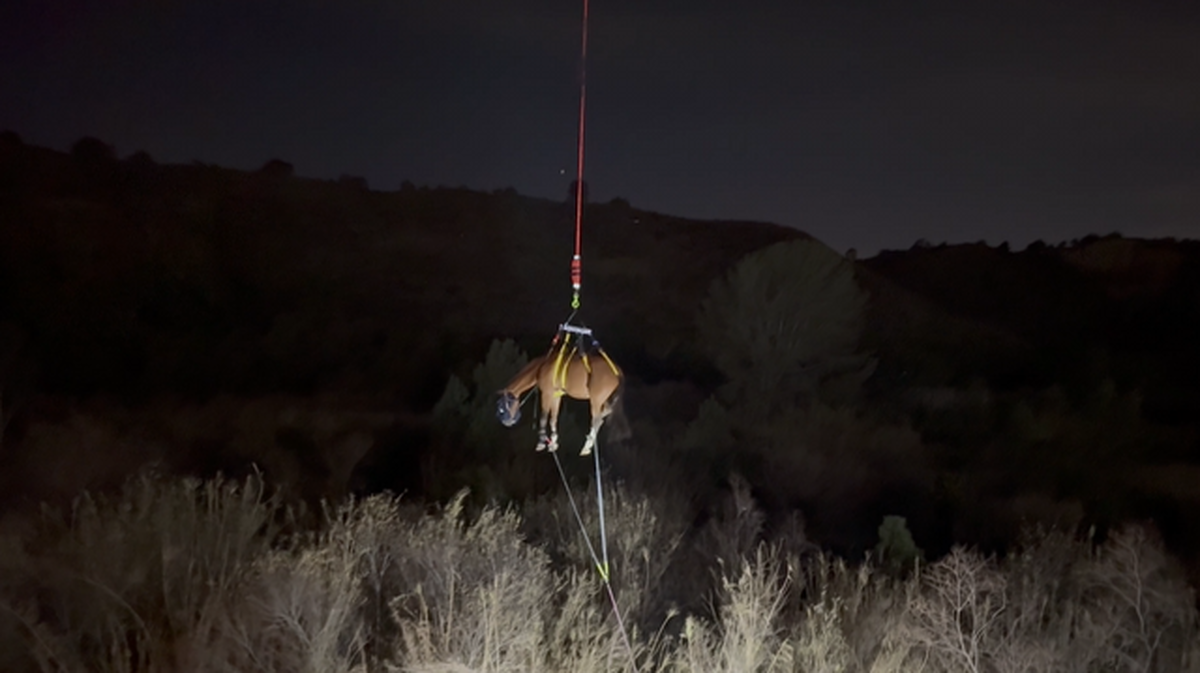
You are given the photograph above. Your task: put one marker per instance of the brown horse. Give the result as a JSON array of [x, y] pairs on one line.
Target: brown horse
[[560, 372]]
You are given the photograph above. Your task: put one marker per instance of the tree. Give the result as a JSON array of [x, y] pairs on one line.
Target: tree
[[278, 169], [956, 617], [12, 152], [17, 374], [93, 151], [9, 140], [897, 552], [469, 411], [1138, 604], [783, 318], [475, 449], [574, 190], [355, 182]]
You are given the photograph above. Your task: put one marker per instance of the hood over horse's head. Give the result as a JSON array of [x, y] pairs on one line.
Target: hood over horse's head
[[508, 409]]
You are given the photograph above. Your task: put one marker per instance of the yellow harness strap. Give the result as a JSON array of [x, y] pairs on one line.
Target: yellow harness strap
[[561, 365], [611, 366]]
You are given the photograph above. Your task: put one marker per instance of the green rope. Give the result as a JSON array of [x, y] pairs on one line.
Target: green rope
[[601, 566], [600, 504]]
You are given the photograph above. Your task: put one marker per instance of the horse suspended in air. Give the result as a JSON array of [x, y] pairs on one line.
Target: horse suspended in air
[[571, 373]]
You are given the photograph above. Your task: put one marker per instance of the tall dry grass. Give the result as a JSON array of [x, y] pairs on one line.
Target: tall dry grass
[[186, 575], [143, 580]]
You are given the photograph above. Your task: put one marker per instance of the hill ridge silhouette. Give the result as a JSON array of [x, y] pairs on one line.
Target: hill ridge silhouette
[[216, 306]]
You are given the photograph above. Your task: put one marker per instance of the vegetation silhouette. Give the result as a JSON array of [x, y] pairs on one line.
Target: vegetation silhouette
[[789, 407]]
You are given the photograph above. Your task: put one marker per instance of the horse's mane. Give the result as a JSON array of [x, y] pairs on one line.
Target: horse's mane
[[528, 373]]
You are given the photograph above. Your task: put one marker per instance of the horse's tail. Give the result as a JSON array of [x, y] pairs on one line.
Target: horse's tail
[[619, 428]]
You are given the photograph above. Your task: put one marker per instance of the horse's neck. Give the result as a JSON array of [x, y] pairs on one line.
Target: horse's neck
[[526, 378]]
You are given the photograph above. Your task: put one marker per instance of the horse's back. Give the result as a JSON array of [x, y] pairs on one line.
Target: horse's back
[[578, 376]]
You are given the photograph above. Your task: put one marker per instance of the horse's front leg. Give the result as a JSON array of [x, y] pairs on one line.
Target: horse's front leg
[[555, 403], [543, 440]]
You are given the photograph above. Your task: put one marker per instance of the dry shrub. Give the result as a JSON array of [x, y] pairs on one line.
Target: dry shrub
[[473, 592], [643, 535], [1137, 610], [300, 612], [736, 530], [477, 597], [836, 455], [198, 576], [747, 635], [1054, 605], [139, 581], [87, 449], [955, 617], [848, 616]]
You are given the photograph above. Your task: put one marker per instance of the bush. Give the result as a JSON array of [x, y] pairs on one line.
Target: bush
[[643, 537], [277, 169], [1054, 605], [141, 581], [896, 551], [93, 152], [783, 318], [216, 576], [467, 415], [747, 635], [835, 463]]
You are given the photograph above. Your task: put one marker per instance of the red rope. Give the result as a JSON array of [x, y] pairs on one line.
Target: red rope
[[576, 260]]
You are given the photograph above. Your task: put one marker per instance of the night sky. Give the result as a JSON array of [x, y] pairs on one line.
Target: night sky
[[868, 125]]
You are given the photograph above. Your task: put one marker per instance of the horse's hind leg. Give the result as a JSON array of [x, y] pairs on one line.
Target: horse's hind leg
[[600, 411], [590, 442]]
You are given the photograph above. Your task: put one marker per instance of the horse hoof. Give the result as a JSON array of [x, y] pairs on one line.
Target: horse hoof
[[587, 451]]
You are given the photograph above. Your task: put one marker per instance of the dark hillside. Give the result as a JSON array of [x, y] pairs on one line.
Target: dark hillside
[[1103, 307], [1037, 296], [139, 278], [345, 339]]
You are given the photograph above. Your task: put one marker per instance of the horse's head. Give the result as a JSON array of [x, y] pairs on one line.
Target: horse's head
[[508, 409]]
